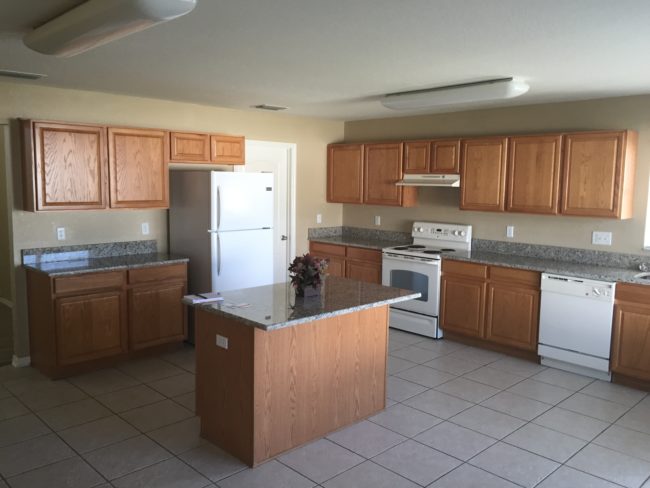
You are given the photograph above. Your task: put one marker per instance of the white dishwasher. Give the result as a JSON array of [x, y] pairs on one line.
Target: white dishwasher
[[575, 324]]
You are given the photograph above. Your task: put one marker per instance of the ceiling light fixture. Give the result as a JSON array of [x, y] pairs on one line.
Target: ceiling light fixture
[[273, 108], [479, 91], [23, 75], [98, 22]]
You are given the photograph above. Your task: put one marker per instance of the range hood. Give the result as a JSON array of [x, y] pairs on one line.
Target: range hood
[[430, 180]]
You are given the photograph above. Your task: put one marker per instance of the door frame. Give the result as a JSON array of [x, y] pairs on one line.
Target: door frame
[[291, 154]]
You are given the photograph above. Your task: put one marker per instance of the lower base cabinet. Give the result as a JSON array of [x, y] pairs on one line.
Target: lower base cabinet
[[492, 303], [631, 335], [80, 320], [350, 262]]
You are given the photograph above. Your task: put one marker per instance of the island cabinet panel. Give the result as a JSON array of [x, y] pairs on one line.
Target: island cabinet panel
[[65, 166], [631, 337], [417, 156], [445, 156], [280, 389], [90, 327], [189, 147], [138, 167], [345, 173], [599, 171], [382, 169], [534, 174], [227, 149], [483, 174]]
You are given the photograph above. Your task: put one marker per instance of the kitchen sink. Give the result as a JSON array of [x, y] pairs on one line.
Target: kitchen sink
[[643, 276]]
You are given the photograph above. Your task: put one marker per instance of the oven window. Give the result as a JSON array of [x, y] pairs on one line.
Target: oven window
[[410, 280]]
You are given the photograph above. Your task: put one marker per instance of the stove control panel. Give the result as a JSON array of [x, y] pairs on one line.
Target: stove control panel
[[442, 232]]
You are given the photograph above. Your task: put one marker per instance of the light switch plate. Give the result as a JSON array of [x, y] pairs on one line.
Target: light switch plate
[[60, 233], [377, 219], [222, 342], [601, 238], [510, 231], [145, 228], [319, 218]]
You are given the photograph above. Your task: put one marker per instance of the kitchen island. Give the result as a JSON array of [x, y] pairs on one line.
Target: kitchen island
[[274, 371]]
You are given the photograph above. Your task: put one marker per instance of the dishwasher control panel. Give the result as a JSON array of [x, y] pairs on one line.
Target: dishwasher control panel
[[578, 287]]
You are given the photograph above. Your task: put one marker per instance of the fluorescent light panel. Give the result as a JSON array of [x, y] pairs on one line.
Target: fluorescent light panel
[[97, 22], [22, 75], [481, 91]]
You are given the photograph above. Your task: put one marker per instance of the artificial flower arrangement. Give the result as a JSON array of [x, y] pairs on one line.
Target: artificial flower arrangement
[[307, 274]]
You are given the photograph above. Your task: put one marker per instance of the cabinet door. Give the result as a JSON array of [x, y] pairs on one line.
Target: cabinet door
[[90, 327], [631, 340], [483, 174], [382, 168], [363, 271], [534, 174], [345, 173], [416, 156], [138, 168], [462, 305], [68, 170], [228, 149], [593, 174], [156, 315], [189, 147], [445, 156], [512, 315]]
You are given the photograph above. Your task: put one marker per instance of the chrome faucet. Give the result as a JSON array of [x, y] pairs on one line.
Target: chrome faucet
[[645, 267]]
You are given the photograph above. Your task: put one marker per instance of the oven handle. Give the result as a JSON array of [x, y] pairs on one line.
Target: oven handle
[[406, 259]]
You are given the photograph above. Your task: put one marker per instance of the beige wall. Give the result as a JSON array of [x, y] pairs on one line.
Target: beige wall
[[38, 229], [441, 204]]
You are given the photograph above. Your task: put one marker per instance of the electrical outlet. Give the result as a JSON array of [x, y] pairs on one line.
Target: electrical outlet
[[377, 219], [319, 218], [145, 228], [510, 231], [60, 233], [601, 238], [222, 342]]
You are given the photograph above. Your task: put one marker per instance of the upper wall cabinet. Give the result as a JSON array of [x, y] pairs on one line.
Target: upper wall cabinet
[[137, 160], [191, 147], [483, 173], [533, 179], [432, 156], [367, 173], [65, 166], [599, 170]]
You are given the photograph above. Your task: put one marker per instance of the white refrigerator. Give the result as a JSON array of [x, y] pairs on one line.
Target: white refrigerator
[[223, 222]]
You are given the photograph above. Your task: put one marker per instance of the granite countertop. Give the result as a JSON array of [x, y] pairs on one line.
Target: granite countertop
[[276, 306], [360, 242], [105, 263]]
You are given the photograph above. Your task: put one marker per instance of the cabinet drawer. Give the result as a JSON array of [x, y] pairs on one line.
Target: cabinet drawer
[[158, 273], [360, 254], [499, 273], [628, 292], [88, 282], [319, 248], [465, 269]]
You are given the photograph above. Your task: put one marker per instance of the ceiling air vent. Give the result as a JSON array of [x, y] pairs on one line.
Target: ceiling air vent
[[21, 75], [272, 108]]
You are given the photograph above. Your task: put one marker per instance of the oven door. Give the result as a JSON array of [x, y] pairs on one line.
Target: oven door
[[414, 274]]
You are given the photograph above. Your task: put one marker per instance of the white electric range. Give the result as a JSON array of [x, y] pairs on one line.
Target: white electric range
[[416, 267]]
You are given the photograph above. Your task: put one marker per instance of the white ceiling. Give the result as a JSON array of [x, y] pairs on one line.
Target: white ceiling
[[335, 59]]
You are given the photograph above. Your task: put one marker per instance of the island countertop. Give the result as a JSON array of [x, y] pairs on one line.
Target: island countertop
[[276, 306]]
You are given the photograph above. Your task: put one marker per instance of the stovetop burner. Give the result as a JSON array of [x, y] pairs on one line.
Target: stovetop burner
[[446, 249], [401, 248], [432, 251], [416, 246]]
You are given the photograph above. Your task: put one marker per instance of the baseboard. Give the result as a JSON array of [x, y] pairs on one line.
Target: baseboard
[[21, 362]]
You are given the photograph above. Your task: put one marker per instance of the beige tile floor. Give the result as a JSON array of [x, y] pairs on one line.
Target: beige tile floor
[[457, 417]]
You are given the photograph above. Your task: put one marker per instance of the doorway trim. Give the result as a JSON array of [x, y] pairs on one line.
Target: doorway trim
[[291, 153]]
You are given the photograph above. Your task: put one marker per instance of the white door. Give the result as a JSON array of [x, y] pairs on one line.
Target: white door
[[279, 159]]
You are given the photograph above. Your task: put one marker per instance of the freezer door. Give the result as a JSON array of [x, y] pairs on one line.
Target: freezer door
[[241, 201], [242, 259]]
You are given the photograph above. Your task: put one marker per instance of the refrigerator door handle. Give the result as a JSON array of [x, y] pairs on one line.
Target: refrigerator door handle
[[218, 206], [218, 255]]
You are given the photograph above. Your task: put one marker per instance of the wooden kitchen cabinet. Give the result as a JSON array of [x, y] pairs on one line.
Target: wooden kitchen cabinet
[[533, 181], [631, 335], [432, 156], [227, 149], [345, 173], [83, 321], [416, 156], [599, 171], [64, 166], [350, 262], [138, 168], [494, 304], [512, 312], [382, 168], [483, 174], [189, 147]]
